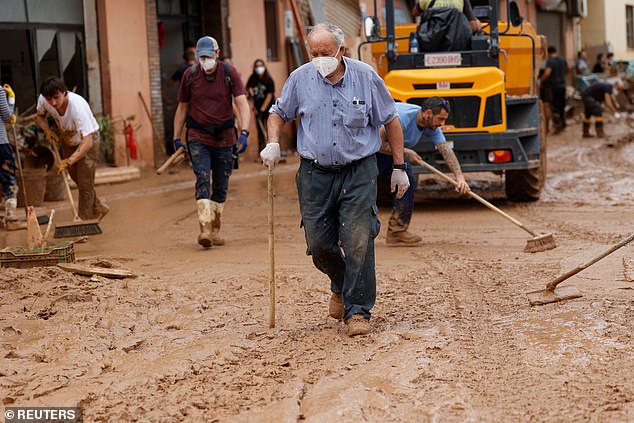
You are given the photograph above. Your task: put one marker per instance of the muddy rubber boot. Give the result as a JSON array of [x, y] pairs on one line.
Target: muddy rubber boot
[[586, 130], [358, 325], [335, 307], [204, 220], [598, 126], [10, 209], [216, 215]]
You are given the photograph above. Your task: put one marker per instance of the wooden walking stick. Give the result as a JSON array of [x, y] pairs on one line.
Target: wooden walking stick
[[271, 252]]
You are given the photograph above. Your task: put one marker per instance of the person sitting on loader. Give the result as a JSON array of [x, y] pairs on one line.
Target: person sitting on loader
[[593, 96], [418, 123], [445, 25]]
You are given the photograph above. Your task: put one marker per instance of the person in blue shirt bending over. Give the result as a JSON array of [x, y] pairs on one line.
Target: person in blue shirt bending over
[[418, 123]]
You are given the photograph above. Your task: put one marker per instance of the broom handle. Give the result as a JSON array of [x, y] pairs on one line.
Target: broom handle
[[552, 284], [65, 177], [170, 160], [18, 160], [475, 196], [271, 252]]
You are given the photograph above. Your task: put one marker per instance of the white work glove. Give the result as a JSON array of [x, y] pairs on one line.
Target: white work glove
[[270, 155], [400, 181]]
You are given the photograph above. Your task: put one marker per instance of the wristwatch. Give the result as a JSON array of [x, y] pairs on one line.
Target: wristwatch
[[400, 166], [245, 131]]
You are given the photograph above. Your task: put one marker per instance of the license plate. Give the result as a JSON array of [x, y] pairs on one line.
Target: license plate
[[443, 59], [443, 85]]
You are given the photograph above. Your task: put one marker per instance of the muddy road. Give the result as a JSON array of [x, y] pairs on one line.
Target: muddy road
[[453, 337]]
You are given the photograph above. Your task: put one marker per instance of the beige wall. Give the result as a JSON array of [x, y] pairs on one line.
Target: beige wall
[[593, 27], [615, 30], [128, 70]]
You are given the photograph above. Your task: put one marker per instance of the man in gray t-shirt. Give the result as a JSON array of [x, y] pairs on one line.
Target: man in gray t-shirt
[[341, 104]]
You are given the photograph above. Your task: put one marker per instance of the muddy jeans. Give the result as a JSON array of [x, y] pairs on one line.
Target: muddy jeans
[[83, 173], [340, 206], [211, 163], [7, 171], [402, 208]]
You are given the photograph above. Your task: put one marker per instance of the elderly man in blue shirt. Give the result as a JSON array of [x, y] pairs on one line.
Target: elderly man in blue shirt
[[418, 123], [341, 104]]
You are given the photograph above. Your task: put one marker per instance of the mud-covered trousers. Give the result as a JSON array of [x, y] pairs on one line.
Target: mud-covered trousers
[[339, 205], [83, 173], [403, 207], [211, 165], [7, 171]]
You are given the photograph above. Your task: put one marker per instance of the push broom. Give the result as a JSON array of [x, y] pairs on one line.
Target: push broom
[[552, 294], [538, 242], [77, 227]]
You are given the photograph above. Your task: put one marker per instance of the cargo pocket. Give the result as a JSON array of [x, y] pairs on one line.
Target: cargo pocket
[[355, 116], [375, 224]]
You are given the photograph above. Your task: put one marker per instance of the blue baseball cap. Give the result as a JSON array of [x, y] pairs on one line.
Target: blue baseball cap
[[206, 46]]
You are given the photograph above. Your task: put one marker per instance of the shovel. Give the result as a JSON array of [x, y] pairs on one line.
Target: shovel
[[539, 242], [552, 294]]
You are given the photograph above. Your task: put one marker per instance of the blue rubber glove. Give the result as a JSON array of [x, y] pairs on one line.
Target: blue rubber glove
[[243, 141], [178, 144]]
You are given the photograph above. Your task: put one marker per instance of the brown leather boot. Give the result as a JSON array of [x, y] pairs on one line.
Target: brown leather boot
[[402, 238], [397, 232], [216, 214], [358, 325], [204, 220], [335, 307], [586, 130]]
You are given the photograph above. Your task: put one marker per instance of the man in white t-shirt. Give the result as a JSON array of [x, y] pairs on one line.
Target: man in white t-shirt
[[79, 141]]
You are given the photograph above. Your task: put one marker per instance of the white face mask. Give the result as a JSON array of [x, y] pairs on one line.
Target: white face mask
[[208, 64], [326, 65], [260, 70]]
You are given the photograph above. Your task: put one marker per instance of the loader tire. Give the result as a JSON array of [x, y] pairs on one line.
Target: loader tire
[[527, 185]]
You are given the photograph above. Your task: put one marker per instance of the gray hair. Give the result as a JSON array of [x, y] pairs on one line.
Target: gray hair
[[334, 30]]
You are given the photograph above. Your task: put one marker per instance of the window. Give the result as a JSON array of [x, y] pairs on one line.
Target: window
[[272, 30], [629, 25]]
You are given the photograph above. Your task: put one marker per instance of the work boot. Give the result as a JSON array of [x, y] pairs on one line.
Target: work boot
[[204, 219], [598, 126], [586, 130], [103, 211], [216, 215], [402, 238], [358, 325], [335, 308]]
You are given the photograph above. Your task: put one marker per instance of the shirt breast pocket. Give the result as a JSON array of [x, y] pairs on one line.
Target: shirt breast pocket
[[356, 116]]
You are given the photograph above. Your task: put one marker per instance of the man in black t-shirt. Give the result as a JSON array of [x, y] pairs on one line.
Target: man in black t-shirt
[[593, 96], [554, 83]]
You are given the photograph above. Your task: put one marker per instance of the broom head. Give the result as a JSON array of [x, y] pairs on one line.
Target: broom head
[[81, 228], [546, 296], [540, 243]]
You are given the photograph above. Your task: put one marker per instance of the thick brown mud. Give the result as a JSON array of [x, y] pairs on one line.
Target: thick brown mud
[[453, 336]]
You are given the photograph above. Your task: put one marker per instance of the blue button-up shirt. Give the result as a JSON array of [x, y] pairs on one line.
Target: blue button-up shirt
[[338, 123]]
